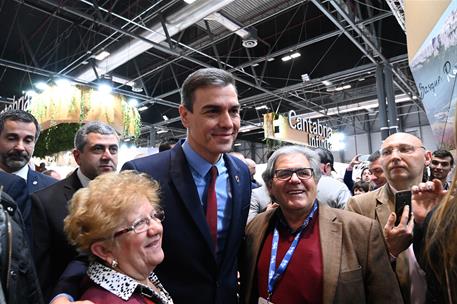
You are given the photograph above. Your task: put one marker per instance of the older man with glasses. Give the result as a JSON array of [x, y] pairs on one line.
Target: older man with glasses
[[403, 159], [306, 252]]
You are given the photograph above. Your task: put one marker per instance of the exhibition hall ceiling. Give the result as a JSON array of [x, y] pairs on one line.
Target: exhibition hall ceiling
[[316, 57]]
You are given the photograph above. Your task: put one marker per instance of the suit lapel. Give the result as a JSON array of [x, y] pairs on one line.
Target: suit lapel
[[382, 207], [32, 181], [235, 188], [330, 232], [72, 185], [182, 180]]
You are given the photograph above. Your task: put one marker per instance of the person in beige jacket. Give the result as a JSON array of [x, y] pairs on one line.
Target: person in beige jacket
[[317, 254], [403, 159]]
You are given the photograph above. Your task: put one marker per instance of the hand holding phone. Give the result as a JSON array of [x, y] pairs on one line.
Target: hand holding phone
[[402, 199]]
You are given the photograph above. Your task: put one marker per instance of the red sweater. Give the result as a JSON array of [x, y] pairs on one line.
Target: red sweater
[[302, 280]]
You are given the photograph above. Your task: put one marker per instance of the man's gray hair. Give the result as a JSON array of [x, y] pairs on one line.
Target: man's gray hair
[[204, 78], [92, 127], [313, 159]]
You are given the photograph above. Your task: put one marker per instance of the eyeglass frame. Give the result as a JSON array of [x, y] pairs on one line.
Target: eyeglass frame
[[294, 171], [157, 216], [392, 149]]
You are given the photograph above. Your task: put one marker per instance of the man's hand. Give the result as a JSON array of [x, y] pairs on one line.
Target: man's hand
[[64, 300], [425, 197], [354, 161], [398, 238]]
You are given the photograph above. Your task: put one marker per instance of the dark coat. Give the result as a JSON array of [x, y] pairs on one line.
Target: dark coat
[[51, 250], [189, 271]]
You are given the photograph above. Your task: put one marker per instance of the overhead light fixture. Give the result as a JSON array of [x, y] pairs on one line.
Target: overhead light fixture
[[327, 82], [142, 108], [162, 131], [255, 64], [237, 145], [102, 55], [248, 128], [270, 59], [347, 86], [41, 85], [305, 77], [133, 102], [295, 55], [291, 56], [165, 117], [262, 107], [127, 139], [189, 1], [341, 88], [61, 82]]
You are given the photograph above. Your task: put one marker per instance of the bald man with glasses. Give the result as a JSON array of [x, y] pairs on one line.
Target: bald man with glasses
[[403, 159]]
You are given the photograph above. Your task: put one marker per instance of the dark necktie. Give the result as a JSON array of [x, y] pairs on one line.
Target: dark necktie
[[211, 205]]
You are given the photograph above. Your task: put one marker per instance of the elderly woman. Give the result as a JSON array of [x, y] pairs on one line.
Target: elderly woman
[[117, 221]]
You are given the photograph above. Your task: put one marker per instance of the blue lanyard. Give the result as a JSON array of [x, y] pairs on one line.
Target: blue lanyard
[[275, 274]]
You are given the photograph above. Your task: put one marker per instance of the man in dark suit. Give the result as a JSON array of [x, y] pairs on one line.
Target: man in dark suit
[[200, 264], [19, 132], [15, 187], [96, 147], [193, 272]]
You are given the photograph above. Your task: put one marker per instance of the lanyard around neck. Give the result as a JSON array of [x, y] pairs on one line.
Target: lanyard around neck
[[275, 274]]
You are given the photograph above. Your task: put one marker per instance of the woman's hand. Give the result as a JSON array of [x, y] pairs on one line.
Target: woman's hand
[[425, 197]]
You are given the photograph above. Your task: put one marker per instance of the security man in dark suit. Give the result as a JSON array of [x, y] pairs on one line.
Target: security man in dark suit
[[19, 132]]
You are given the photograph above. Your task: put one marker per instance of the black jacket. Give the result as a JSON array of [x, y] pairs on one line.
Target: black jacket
[[18, 276]]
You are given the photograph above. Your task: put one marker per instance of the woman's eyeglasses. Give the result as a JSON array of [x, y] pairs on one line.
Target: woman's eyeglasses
[[143, 224]]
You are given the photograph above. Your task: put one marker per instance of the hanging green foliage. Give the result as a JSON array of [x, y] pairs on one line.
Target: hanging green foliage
[[56, 139]]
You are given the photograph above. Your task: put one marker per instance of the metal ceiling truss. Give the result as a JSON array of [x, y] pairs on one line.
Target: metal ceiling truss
[[361, 41]]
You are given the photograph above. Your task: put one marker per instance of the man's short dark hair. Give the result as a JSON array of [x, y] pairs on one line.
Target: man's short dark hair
[[374, 156], [364, 186], [167, 145], [92, 127], [19, 115], [203, 78], [441, 153], [326, 157]]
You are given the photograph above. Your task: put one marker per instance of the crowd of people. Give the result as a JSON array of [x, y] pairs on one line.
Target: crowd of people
[[173, 227]]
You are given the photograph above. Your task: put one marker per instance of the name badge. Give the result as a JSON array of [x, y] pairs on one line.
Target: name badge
[[264, 301]]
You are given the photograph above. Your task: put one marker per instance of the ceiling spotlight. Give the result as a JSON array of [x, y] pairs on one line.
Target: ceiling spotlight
[[165, 117], [326, 82], [189, 1], [102, 55], [133, 102], [162, 131], [142, 108], [237, 145], [291, 56], [41, 85], [262, 107], [295, 55], [305, 77], [270, 59]]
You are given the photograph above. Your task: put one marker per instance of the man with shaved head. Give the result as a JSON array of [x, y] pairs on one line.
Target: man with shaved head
[[403, 159]]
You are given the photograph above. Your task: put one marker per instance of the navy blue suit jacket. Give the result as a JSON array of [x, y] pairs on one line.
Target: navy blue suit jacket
[[35, 181], [189, 271], [15, 187]]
